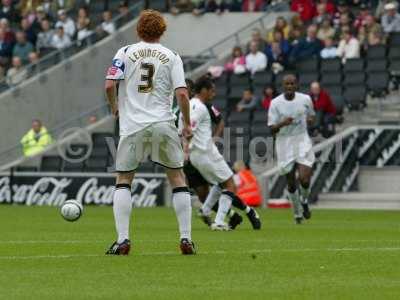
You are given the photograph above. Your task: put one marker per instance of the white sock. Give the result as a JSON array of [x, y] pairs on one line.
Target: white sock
[[248, 209], [183, 210], [212, 198], [297, 208], [305, 193], [122, 207], [224, 204]]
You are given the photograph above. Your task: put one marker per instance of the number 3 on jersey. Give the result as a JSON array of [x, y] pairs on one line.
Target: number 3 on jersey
[[147, 77]]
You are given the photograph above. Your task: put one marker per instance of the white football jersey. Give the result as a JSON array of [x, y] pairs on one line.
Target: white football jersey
[[201, 123], [148, 74], [299, 109]]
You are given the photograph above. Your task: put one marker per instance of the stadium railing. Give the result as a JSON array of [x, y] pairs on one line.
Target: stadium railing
[[60, 55], [339, 158]]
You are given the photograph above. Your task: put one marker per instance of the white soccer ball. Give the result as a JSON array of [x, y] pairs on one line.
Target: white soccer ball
[[71, 210]]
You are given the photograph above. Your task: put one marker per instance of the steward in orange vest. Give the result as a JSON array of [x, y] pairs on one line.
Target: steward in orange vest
[[248, 188]]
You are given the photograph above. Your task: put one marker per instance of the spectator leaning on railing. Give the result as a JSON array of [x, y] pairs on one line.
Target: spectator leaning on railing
[[45, 38], [237, 63], [330, 50], [256, 60], [17, 73], [108, 25], [249, 101], [308, 46], [22, 48], [66, 22], [349, 46], [60, 39], [36, 139]]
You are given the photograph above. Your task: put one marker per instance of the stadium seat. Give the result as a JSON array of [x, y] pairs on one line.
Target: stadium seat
[[99, 151], [334, 89], [394, 39], [394, 67], [355, 78], [96, 164], [239, 80], [76, 151], [307, 78], [376, 66], [378, 83], [355, 97], [242, 118], [261, 79], [260, 117], [237, 91], [329, 79], [330, 65], [51, 164], [353, 65], [99, 138], [339, 103], [310, 65], [26, 169], [261, 131], [220, 103], [394, 53], [377, 52]]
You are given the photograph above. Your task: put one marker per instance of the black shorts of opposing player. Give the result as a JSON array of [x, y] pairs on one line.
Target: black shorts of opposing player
[[193, 176], [236, 201], [123, 186], [182, 189]]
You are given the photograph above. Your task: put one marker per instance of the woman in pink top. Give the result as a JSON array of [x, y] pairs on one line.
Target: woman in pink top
[[237, 64]]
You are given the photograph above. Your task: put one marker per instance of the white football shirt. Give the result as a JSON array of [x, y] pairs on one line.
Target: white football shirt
[[201, 124], [299, 109], [148, 74]]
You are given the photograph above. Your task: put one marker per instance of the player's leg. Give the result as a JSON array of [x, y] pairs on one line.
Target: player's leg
[[127, 161], [183, 208], [305, 173], [167, 151], [294, 195]]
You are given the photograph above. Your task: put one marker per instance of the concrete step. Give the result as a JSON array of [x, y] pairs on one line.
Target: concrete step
[[384, 201]]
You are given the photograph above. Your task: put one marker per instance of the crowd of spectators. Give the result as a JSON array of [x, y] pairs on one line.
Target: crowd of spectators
[[30, 29], [322, 29]]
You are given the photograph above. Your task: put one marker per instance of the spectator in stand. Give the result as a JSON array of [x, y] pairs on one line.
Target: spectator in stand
[[237, 64], [67, 5], [342, 8], [5, 48], [321, 14], [36, 139], [325, 110], [253, 5], [391, 18], [39, 17], [330, 6], [33, 63], [27, 6], [256, 60], [182, 6], [66, 23], [349, 47], [307, 47], [277, 60], [280, 26], [249, 101], [60, 39], [9, 34], [283, 43], [362, 15], [210, 6], [370, 33], [326, 30], [269, 93], [256, 37], [17, 73], [45, 38], [83, 29], [305, 8], [22, 48], [108, 25], [29, 32], [330, 50], [8, 11], [123, 10]]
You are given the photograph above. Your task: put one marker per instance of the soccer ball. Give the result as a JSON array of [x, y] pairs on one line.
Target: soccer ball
[[71, 210]]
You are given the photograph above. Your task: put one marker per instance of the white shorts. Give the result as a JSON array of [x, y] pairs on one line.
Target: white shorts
[[160, 141], [294, 149], [211, 165]]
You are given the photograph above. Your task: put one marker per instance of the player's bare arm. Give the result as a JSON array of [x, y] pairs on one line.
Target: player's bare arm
[[182, 97], [111, 95]]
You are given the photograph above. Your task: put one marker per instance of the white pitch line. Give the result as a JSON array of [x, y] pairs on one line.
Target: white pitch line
[[218, 252]]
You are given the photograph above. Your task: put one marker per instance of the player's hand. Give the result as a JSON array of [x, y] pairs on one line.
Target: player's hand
[[287, 121], [187, 132], [114, 111]]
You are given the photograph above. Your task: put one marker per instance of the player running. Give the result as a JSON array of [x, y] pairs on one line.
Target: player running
[[209, 197], [206, 159], [288, 117], [146, 75]]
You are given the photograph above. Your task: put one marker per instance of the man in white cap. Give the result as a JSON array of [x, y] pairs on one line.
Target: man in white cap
[[391, 19], [66, 22]]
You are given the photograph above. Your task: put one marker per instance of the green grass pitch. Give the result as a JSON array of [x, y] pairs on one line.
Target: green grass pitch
[[337, 255]]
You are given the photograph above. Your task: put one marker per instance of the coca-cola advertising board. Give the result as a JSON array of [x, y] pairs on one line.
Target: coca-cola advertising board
[[35, 188]]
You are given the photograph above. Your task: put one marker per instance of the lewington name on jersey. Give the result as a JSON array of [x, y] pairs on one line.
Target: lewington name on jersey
[[143, 53]]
